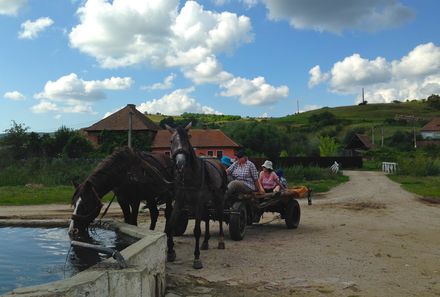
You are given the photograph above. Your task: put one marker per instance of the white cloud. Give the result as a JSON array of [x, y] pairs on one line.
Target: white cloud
[[156, 33], [14, 95], [31, 29], [316, 76], [310, 107], [128, 32], [11, 7], [253, 92], [338, 15], [176, 103], [414, 76], [208, 71], [354, 72], [424, 59], [77, 94], [166, 84], [44, 106]]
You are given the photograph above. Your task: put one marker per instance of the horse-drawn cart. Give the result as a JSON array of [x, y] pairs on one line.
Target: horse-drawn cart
[[247, 209]]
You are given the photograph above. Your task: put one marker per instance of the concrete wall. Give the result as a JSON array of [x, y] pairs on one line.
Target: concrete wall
[[145, 275]]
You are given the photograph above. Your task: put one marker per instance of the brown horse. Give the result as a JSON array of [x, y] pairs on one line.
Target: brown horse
[[134, 176], [199, 184]]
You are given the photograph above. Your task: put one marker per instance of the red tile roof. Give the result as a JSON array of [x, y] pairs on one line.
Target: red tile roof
[[433, 125], [199, 138], [118, 121]]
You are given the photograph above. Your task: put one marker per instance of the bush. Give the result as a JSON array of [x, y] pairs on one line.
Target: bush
[[298, 173], [48, 172], [419, 166]]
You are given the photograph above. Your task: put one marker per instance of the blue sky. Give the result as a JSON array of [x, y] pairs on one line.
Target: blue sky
[[72, 62]]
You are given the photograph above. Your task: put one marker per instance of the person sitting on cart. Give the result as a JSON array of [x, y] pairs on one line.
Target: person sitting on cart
[[244, 175], [268, 179], [283, 180]]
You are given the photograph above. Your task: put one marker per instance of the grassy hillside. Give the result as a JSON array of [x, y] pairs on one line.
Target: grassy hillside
[[370, 113], [369, 118]]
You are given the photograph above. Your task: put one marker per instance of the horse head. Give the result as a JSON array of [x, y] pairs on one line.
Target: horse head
[[181, 149], [87, 207]]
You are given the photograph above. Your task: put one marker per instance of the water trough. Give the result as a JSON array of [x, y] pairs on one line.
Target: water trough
[[144, 275]]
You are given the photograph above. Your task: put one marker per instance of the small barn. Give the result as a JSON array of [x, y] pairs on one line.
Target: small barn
[[206, 142], [358, 144], [119, 122], [431, 131]]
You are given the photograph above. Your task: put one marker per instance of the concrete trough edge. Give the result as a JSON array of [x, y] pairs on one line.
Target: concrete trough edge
[[145, 275]]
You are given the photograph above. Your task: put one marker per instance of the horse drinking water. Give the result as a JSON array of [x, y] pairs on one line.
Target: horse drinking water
[[133, 176], [198, 184]]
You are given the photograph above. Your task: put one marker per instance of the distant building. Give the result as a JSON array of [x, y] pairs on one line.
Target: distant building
[[358, 144], [206, 142], [119, 121], [430, 133]]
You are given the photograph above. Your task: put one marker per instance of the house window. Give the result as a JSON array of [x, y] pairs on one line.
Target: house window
[[167, 153], [210, 153], [219, 154]]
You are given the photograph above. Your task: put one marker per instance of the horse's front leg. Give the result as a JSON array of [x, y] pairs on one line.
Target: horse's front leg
[[197, 264], [173, 214], [219, 203], [154, 213], [125, 208], [134, 211], [205, 244]]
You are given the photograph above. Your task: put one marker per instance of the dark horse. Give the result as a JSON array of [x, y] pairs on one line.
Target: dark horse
[[198, 184], [133, 176]]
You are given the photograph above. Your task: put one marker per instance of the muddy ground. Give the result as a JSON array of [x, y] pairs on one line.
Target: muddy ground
[[367, 237]]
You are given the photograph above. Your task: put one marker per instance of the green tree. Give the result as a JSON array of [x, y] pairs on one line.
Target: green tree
[[77, 146], [434, 101], [15, 141], [327, 146]]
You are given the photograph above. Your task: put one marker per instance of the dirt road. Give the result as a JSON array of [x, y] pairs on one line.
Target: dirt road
[[367, 237]]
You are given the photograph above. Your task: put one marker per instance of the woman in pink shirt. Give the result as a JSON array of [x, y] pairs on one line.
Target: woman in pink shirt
[[268, 179]]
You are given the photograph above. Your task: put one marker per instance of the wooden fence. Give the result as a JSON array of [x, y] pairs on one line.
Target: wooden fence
[[344, 162]]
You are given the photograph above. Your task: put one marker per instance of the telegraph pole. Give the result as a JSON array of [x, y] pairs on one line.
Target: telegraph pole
[[130, 115]]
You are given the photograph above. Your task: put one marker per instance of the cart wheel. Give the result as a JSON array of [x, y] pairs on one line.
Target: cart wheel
[[182, 223], [292, 214], [237, 222]]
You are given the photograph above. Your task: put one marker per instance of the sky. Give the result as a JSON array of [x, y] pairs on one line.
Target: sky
[[72, 62]]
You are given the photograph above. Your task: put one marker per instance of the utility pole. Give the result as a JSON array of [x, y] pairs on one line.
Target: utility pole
[[411, 119], [297, 105], [381, 129], [363, 97], [130, 115]]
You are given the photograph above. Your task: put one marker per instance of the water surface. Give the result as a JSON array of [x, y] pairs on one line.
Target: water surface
[[31, 256]]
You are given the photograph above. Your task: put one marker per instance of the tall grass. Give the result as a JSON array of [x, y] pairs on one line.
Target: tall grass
[[299, 173], [319, 179], [419, 166], [49, 172]]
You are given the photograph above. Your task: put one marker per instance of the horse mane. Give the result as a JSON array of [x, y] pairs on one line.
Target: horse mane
[[185, 137], [113, 163]]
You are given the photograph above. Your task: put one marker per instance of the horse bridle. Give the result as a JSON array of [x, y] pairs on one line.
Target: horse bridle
[[86, 217]]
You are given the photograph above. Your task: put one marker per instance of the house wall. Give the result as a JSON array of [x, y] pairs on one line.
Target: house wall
[[203, 151], [431, 135]]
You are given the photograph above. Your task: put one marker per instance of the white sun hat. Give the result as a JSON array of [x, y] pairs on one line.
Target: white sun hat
[[267, 164]]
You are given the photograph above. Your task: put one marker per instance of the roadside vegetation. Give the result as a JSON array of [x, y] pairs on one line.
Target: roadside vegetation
[[43, 165]]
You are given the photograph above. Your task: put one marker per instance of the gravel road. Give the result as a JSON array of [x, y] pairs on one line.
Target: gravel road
[[367, 237]]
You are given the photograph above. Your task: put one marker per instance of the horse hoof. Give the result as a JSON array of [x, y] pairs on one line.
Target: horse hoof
[[197, 264], [221, 245], [171, 256], [205, 246]]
